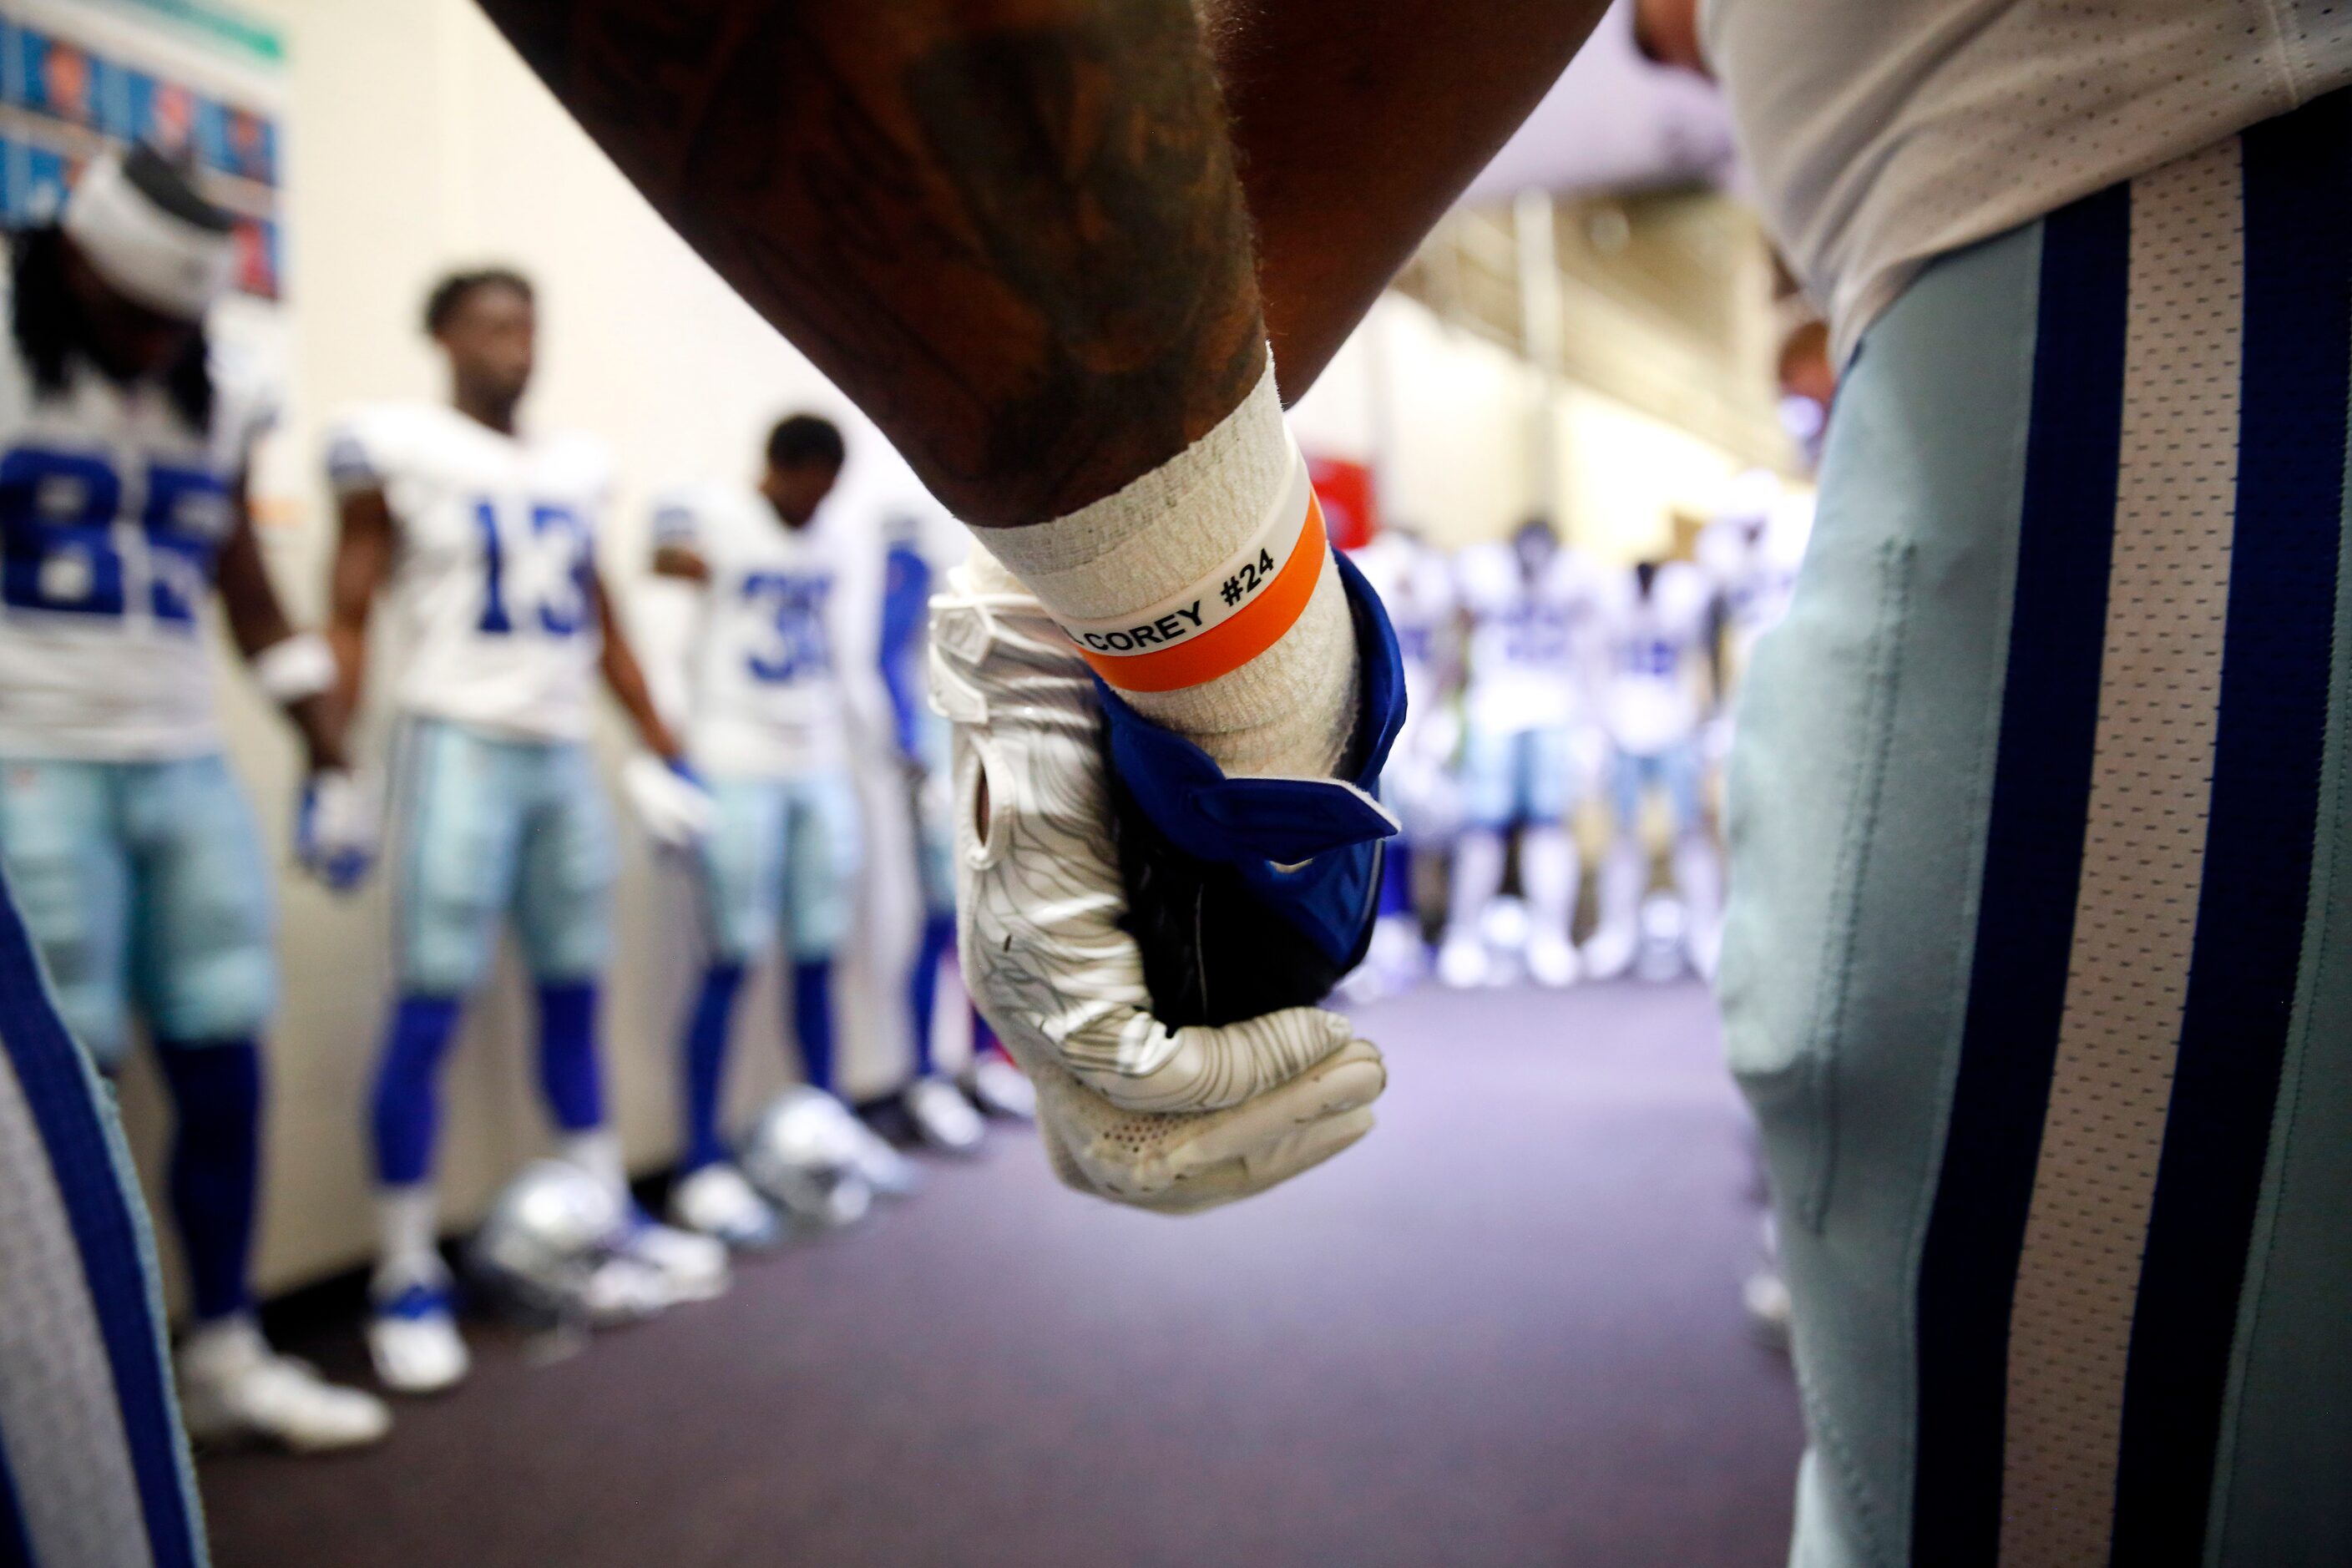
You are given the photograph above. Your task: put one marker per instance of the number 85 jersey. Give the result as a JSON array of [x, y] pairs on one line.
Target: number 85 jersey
[[112, 508], [491, 572]]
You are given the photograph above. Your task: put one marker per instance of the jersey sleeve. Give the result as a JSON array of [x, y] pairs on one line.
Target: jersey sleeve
[[677, 520], [364, 450]]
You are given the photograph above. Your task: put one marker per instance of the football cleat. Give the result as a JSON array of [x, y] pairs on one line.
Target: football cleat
[[1462, 962], [943, 1118], [1608, 953], [1551, 960], [691, 1267], [717, 1202], [413, 1340], [1000, 1088], [235, 1389]]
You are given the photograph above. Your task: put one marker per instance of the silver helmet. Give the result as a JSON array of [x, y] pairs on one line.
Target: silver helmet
[[802, 1153], [552, 1250]]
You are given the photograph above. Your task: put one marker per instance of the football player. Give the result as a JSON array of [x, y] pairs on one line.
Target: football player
[[1530, 609], [774, 705], [1653, 630], [480, 530], [125, 442], [1415, 582], [991, 1079]]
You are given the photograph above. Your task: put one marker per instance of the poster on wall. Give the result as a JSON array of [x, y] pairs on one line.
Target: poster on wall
[[197, 80]]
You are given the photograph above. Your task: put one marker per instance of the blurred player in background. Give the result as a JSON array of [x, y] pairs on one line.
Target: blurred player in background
[[124, 447], [1652, 632], [1752, 549], [1531, 606], [481, 532], [1415, 581], [773, 710], [990, 1077]]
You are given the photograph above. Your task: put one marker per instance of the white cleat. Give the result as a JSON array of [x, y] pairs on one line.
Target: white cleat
[[943, 1118], [413, 1338], [622, 1289], [235, 1389], [717, 1202], [1001, 1088], [1363, 984], [1608, 953], [879, 1165], [1552, 960], [1462, 962], [1765, 1296], [689, 1267]]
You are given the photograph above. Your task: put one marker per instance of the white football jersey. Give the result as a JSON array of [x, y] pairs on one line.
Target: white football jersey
[[1752, 559], [1416, 585], [771, 694], [490, 581], [111, 511], [1527, 639], [1656, 645]]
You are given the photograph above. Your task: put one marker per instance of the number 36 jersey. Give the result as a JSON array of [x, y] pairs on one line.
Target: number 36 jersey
[[112, 508], [769, 697], [492, 571]]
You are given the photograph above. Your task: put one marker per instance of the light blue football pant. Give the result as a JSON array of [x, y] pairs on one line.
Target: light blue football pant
[[2037, 966], [142, 882], [493, 827], [1674, 772], [1511, 776], [784, 854]]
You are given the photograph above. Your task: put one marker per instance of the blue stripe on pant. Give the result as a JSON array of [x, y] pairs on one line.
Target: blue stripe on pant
[[74, 1122]]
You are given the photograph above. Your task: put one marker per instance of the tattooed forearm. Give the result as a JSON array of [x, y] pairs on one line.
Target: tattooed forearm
[[1010, 229]]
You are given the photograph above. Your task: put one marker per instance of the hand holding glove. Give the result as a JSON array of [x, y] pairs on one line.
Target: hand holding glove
[[674, 805], [1172, 1119], [335, 833]]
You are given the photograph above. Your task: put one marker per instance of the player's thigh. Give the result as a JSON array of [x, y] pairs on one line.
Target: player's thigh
[[742, 865], [823, 854], [1678, 776], [563, 895], [1490, 782], [70, 871], [1548, 772], [205, 929], [464, 802]]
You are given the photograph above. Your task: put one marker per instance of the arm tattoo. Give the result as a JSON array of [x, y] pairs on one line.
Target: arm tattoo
[[1010, 229]]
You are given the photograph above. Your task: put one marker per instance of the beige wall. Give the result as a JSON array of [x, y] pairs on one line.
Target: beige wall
[[416, 142]]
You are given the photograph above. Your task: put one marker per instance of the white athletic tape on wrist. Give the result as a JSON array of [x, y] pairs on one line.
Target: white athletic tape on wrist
[[1215, 625], [295, 667], [150, 256]]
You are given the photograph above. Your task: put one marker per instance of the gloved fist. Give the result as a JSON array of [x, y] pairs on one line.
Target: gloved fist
[[669, 800], [1130, 1109], [335, 829]]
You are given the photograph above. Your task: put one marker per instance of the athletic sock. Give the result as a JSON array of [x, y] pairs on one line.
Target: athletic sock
[[1547, 868], [705, 1065], [1624, 876], [813, 1019], [1288, 708], [215, 1167], [407, 1222], [923, 985], [407, 1089], [568, 1069]]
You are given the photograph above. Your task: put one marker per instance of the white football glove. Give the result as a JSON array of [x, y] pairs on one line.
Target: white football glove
[[335, 829], [675, 809], [1129, 1109]]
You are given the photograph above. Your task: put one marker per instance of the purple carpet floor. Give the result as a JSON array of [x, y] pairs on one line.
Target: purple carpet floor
[[1505, 1329]]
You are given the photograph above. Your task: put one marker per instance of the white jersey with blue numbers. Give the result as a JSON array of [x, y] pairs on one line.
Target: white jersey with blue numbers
[[490, 583], [112, 510], [1416, 586], [1654, 643], [1752, 557], [770, 693], [1528, 638]]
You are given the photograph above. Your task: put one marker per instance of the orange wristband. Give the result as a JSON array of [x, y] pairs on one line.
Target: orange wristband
[[1219, 624]]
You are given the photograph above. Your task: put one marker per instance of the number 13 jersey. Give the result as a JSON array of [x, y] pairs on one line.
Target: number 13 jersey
[[112, 508], [495, 546]]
